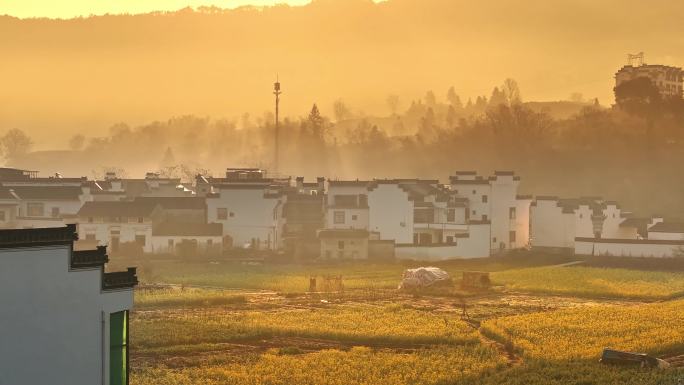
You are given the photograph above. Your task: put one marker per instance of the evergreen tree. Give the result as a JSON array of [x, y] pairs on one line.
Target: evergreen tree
[[315, 122], [497, 98], [430, 99], [451, 116]]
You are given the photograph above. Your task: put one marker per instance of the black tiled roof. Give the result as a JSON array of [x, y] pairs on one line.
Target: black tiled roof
[[117, 209]]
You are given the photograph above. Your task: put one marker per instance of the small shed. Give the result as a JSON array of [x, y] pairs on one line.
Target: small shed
[[475, 280]]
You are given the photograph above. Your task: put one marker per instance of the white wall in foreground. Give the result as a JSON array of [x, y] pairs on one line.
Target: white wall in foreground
[[52, 320]]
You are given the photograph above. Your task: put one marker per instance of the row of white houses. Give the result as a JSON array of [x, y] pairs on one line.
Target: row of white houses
[[592, 226], [471, 216]]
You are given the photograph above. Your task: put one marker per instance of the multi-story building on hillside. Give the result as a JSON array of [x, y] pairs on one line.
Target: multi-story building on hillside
[[668, 79]]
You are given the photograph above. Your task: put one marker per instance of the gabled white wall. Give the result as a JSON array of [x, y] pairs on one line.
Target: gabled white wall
[[55, 322], [504, 189], [254, 216], [550, 227], [391, 213]]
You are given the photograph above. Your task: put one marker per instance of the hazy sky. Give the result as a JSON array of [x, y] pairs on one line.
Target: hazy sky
[[73, 8]]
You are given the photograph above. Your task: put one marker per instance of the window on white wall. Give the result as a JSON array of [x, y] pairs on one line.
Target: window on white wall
[[35, 209], [222, 213], [2, 216], [511, 213], [338, 217], [451, 215], [55, 212], [484, 199]]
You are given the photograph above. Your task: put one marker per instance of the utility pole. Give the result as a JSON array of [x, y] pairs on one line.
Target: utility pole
[[276, 92]]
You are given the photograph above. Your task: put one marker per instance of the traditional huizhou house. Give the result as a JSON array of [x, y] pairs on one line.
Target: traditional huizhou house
[[153, 185], [663, 240], [204, 184], [45, 205], [187, 239], [64, 319], [556, 223], [251, 214], [304, 215], [18, 177], [347, 205], [496, 199], [125, 226], [426, 220], [186, 209], [343, 244]]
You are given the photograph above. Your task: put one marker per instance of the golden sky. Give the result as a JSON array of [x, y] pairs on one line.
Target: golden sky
[[74, 8]]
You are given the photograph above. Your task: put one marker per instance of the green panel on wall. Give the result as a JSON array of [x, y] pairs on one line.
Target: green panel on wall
[[118, 349]]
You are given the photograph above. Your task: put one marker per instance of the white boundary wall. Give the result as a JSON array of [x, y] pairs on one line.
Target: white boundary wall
[[626, 248]]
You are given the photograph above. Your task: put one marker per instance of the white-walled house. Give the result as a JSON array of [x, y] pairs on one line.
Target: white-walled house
[[496, 199], [663, 240], [118, 223], [427, 220], [251, 214], [64, 320], [42, 205], [187, 239], [344, 244], [153, 185], [347, 205], [555, 223]]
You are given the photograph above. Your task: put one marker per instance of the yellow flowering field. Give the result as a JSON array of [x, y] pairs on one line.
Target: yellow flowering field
[[358, 323], [593, 282], [582, 333], [360, 365]]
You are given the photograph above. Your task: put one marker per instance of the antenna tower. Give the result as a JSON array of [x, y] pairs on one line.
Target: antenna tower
[[276, 92], [635, 60]]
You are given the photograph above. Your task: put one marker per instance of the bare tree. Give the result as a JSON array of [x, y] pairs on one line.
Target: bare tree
[[76, 142], [15, 143], [393, 103], [511, 92], [341, 110]]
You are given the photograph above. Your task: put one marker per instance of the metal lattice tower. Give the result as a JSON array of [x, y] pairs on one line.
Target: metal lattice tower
[[276, 92], [635, 60]]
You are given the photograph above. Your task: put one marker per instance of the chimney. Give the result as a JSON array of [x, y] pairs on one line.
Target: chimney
[[321, 184]]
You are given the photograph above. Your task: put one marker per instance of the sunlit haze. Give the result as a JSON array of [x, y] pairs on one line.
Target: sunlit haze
[[76, 8], [357, 192]]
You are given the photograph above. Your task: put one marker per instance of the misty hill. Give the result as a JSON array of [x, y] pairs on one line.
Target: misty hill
[[61, 77]]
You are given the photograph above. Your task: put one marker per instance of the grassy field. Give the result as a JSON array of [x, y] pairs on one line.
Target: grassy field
[[265, 329], [294, 278]]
